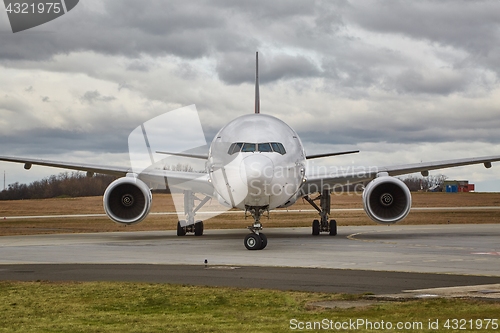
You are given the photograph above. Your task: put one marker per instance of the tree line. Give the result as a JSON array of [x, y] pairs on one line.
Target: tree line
[[74, 184], [429, 183], [414, 184]]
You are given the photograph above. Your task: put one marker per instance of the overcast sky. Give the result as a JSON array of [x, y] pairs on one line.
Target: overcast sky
[[402, 81]]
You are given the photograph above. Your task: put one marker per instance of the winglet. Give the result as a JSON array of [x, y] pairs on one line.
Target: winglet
[[257, 97]]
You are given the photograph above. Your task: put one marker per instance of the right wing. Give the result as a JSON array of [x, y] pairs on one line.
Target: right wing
[[198, 156], [193, 181], [107, 170]]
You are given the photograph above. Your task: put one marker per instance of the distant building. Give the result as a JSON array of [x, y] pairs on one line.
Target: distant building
[[455, 186]]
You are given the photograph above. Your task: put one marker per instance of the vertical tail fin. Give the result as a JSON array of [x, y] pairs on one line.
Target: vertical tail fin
[[257, 97]]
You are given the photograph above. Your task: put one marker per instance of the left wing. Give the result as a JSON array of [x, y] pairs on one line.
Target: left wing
[[316, 182], [309, 157]]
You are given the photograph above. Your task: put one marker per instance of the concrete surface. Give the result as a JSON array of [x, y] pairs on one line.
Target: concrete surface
[[377, 259]]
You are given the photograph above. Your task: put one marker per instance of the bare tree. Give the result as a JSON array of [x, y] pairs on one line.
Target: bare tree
[[75, 184], [179, 167], [429, 183]]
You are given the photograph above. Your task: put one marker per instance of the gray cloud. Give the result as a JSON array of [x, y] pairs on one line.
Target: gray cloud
[[233, 31], [472, 26], [236, 68], [124, 27], [343, 72], [460, 23], [412, 81], [138, 65], [47, 141], [95, 96], [12, 104]]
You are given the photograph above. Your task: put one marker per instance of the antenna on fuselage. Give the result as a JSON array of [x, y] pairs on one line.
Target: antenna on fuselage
[[257, 97]]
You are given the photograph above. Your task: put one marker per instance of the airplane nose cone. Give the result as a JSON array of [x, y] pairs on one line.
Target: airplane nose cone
[[257, 171]]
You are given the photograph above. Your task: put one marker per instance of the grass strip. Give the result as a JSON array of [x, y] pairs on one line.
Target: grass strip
[[141, 307]]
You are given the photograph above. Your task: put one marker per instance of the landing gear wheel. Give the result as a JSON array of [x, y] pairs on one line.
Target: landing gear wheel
[[198, 228], [253, 242], [315, 228], [263, 238], [333, 228], [180, 230]]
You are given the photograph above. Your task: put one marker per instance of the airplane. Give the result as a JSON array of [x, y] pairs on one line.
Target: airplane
[[257, 163]]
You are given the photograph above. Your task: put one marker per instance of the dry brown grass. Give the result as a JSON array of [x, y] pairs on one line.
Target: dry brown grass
[[164, 203]]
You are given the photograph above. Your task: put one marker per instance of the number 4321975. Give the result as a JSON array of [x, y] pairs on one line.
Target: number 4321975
[[39, 8]]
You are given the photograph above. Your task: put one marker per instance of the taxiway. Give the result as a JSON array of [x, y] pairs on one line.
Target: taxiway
[[398, 257]]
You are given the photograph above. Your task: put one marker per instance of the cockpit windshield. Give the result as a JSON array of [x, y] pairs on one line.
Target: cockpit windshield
[[248, 147], [278, 147], [235, 147], [265, 147]]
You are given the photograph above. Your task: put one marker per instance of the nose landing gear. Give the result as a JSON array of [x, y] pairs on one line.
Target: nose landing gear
[[256, 240]]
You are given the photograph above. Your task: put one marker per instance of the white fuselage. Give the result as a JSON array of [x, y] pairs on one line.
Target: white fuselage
[[256, 161]]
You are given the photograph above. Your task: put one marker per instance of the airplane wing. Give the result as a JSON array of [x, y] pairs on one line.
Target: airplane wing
[[310, 157], [341, 177], [194, 181], [107, 170], [198, 156]]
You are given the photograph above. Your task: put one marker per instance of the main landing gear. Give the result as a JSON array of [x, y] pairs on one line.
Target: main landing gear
[[256, 240], [189, 224], [323, 225]]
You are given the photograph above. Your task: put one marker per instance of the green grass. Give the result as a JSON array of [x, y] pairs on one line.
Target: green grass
[[141, 307]]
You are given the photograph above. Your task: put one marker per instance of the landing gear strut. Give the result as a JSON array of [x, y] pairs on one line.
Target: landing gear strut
[[323, 225], [189, 224], [256, 240]]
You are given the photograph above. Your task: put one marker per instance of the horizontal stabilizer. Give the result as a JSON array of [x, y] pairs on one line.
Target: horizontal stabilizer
[[332, 154]]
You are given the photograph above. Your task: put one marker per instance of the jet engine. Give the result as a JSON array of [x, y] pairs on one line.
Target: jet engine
[[386, 200], [127, 200]]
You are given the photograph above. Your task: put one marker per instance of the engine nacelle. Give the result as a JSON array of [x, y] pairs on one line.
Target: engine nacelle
[[127, 200], [386, 200], [223, 201]]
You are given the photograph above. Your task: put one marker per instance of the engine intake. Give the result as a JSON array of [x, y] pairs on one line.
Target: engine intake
[[386, 200], [127, 200]]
